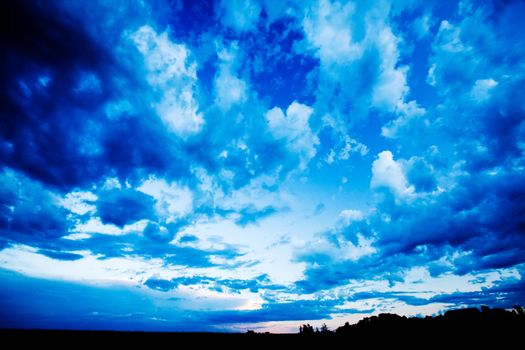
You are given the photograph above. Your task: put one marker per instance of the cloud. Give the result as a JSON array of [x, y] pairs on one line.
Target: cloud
[[172, 201], [150, 245], [72, 115], [479, 232], [124, 206], [354, 42], [261, 282], [174, 77], [481, 89], [295, 129], [351, 146], [350, 215], [420, 174], [229, 89], [388, 173], [158, 232], [408, 114], [239, 15], [42, 66], [327, 27], [421, 26], [60, 255], [148, 145], [28, 209], [188, 239], [250, 214]]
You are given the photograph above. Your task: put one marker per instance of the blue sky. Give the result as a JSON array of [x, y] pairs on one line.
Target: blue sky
[[195, 165]]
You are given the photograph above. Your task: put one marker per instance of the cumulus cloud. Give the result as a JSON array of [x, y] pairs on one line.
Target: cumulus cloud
[[295, 129], [174, 76], [388, 173], [344, 37], [327, 26], [408, 113]]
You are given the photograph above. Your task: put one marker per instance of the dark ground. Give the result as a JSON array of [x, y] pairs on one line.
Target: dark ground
[[501, 337]]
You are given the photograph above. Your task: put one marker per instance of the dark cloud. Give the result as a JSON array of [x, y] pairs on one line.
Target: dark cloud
[[60, 255], [261, 282], [43, 113], [163, 233], [57, 83], [73, 115], [319, 208], [29, 211], [251, 215], [135, 245], [188, 239], [124, 206], [503, 294], [420, 175]]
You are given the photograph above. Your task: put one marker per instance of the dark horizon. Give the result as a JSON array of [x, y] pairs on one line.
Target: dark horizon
[[471, 326]]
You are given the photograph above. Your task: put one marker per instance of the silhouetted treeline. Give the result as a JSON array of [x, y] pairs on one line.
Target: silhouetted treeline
[[465, 324]]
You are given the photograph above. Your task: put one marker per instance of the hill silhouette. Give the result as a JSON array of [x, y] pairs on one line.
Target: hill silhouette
[[471, 327]]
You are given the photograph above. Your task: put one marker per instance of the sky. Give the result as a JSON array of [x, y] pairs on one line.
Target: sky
[[231, 165]]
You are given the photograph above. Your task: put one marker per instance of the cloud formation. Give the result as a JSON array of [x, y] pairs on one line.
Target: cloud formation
[[259, 162]]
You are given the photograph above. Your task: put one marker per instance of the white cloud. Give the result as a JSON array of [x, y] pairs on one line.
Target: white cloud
[[94, 225], [352, 146], [388, 173], [407, 112], [240, 15], [431, 75], [449, 38], [482, 89], [344, 250], [295, 129], [421, 26], [330, 157], [229, 89], [79, 202], [172, 201], [170, 73], [392, 83], [345, 35], [348, 216], [327, 28]]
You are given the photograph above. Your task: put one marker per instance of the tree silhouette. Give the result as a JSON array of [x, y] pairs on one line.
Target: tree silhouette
[[306, 329], [324, 329]]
